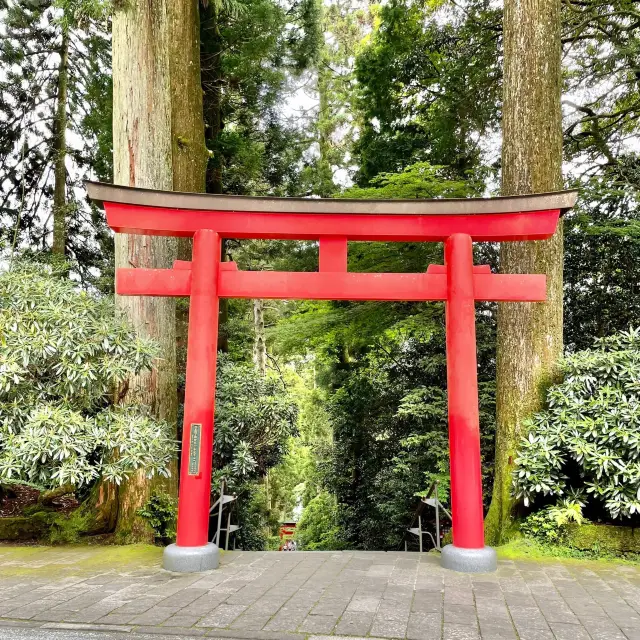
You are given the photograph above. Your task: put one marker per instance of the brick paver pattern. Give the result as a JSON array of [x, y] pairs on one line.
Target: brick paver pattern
[[320, 594]]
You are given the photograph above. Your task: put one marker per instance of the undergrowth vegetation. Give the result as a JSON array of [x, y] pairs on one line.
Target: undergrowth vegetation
[[64, 361], [586, 444]]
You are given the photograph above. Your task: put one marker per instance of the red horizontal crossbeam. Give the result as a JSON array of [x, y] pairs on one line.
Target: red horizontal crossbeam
[[330, 285], [530, 225], [441, 268]]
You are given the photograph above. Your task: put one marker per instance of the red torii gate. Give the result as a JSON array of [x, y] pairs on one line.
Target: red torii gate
[[208, 218]]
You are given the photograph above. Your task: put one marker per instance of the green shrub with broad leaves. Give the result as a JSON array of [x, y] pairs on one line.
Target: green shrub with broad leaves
[[550, 524], [588, 438], [161, 512], [63, 354]]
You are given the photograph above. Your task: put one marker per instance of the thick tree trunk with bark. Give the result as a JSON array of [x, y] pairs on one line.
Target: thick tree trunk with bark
[[142, 142], [529, 334], [189, 152], [60, 152]]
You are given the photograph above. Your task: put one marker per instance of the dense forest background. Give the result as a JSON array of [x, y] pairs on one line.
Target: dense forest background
[[334, 412]]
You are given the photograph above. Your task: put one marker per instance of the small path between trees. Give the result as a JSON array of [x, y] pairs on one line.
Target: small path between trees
[[123, 592]]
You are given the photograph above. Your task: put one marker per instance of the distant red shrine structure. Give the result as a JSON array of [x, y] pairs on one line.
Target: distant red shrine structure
[[286, 532], [208, 218]]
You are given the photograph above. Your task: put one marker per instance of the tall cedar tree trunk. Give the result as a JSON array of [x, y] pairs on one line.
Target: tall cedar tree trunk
[[142, 157], [60, 151], [529, 334], [188, 142]]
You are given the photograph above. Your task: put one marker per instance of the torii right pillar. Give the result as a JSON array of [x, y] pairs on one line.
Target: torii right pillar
[[468, 551]]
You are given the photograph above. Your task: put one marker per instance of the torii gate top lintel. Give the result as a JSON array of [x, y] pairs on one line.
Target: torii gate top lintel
[[206, 279], [151, 212]]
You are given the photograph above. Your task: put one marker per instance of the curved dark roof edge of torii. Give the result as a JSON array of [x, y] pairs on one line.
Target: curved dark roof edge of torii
[[101, 192]]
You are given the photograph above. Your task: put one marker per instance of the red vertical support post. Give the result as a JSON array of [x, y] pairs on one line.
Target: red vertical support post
[[333, 255], [193, 551], [468, 552]]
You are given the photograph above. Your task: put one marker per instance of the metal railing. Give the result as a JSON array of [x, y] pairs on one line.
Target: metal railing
[[437, 505]]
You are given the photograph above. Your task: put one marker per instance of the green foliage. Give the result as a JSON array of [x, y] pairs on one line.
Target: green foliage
[[273, 543], [255, 417], [549, 525], [253, 516], [420, 180], [248, 56], [161, 512], [602, 45], [255, 420], [297, 479], [428, 87], [333, 126], [63, 354], [83, 13], [588, 437], [601, 263], [318, 528], [389, 414]]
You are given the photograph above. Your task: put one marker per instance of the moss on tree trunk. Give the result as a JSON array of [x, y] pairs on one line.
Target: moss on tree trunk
[[189, 152], [529, 334]]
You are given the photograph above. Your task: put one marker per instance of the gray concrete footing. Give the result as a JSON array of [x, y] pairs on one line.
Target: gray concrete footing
[[191, 559], [469, 560]]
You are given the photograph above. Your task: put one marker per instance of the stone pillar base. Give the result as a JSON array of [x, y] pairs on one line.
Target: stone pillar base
[[469, 560], [191, 559]]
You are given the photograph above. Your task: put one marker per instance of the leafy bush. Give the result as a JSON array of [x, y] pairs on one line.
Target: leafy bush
[[253, 517], [589, 436], [549, 525], [255, 417], [318, 527], [419, 180], [161, 512], [63, 354]]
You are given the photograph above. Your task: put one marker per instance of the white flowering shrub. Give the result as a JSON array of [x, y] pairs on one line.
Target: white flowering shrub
[[63, 353], [592, 424]]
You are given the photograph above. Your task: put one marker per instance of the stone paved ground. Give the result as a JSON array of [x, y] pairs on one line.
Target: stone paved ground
[[315, 595]]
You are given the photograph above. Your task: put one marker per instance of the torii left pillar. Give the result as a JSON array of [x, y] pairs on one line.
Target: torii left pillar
[[192, 551]]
